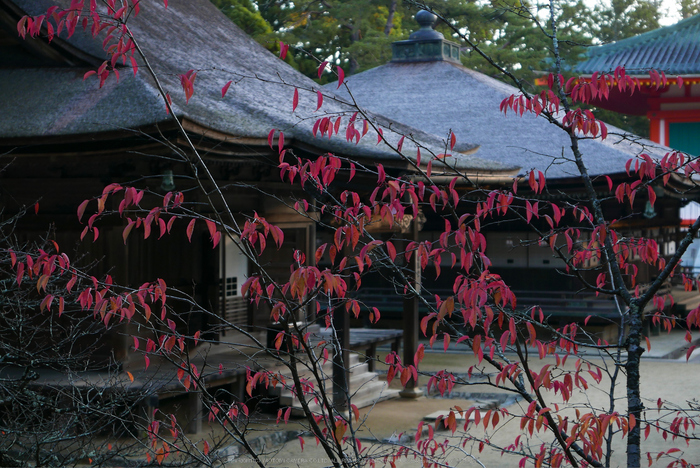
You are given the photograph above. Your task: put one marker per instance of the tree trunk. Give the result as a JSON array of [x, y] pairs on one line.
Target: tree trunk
[[354, 37], [390, 19], [634, 400]]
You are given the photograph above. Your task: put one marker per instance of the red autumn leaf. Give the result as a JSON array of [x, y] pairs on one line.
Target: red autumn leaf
[[284, 48], [340, 429], [322, 68], [419, 354], [295, 99], [46, 303], [190, 229], [22, 26], [391, 250], [81, 209], [169, 103], [533, 182], [280, 142], [162, 226], [211, 226], [134, 65], [319, 100], [187, 83], [127, 230], [341, 77], [610, 182], [541, 181], [532, 333], [381, 175], [652, 195], [278, 340], [374, 315], [224, 90]]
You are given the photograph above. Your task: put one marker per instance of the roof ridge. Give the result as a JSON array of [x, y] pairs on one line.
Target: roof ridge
[[647, 36]]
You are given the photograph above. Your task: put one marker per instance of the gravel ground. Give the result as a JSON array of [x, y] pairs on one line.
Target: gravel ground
[[672, 380]]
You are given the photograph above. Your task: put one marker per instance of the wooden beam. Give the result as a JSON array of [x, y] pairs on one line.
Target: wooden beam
[[411, 319]]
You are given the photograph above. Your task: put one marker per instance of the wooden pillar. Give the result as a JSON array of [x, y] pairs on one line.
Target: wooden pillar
[[149, 405], [311, 261], [238, 388], [371, 357], [341, 359], [194, 410], [411, 319]]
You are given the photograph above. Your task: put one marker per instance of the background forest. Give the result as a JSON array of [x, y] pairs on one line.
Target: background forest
[[361, 33]]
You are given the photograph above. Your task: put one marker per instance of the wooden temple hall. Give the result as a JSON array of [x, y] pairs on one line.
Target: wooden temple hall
[[63, 139], [426, 86]]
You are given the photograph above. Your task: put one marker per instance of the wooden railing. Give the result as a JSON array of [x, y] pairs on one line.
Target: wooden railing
[[234, 311], [553, 303]]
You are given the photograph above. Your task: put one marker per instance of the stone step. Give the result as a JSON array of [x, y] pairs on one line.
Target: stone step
[[356, 378], [371, 388], [356, 368], [385, 394], [376, 392], [304, 373], [358, 383], [365, 387]]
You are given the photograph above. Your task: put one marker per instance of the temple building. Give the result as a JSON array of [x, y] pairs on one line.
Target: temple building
[[64, 136], [672, 104], [426, 86]]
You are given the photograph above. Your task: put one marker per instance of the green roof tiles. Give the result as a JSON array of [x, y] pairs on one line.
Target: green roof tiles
[[672, 49]]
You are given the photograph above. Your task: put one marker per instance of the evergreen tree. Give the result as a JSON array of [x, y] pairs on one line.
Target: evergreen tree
[[688, 8], [246, 15], [511, 34], [354, 35], [626, 18]]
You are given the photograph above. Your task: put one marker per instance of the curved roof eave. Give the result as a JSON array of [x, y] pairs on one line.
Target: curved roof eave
[[194, 35]]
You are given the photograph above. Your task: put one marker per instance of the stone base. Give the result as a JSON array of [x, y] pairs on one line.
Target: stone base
[[411, 393]]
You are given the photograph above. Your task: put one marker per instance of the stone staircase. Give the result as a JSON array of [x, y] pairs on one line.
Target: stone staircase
[[365, 387]]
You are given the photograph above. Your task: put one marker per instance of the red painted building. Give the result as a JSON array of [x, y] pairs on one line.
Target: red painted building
[[673, 107]]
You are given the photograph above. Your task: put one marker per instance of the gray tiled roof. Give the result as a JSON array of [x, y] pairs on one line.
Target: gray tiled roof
[[439, 96], [674, 49], [56, 101], [190, 34]]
